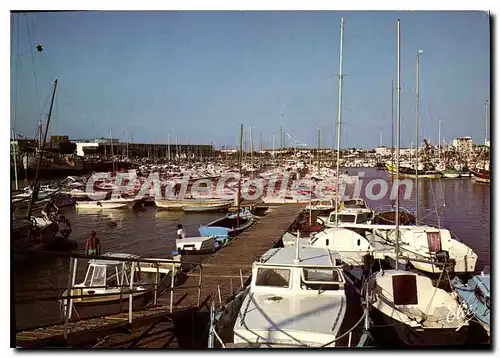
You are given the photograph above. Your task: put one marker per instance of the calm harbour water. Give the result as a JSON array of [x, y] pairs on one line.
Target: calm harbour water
[[150, 233]]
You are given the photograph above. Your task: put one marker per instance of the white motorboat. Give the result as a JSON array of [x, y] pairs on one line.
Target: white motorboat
[[107, 284], [99, 205], [296, 298], [421, 314], [196, 244]]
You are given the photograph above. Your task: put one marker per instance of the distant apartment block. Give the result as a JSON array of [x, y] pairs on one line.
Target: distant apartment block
[[463, 145]]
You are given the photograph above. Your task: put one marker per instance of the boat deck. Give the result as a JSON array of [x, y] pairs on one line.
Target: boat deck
[[221, 275]]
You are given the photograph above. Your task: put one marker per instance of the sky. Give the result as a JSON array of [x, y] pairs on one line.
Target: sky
[[196, 76]]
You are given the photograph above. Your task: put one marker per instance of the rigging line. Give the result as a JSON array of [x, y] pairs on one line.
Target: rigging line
[[17, 73], [33, 63]]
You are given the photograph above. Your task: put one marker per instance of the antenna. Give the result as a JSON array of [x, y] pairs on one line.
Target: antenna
[[297, 259]]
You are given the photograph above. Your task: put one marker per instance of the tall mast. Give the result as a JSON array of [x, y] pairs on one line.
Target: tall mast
[[398, 129], [240, 164], [380, 139], [486, 115], [339, 121], [251, 150], [126, 137], [417, 124], [34, 194], [392, 129], [439, 141], [319, 146], [168, 146], [14, 154]]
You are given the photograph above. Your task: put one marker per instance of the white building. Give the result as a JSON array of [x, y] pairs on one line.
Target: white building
[[463, 145]]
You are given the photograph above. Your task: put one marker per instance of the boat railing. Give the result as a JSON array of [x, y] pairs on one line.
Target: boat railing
[[28, 296]]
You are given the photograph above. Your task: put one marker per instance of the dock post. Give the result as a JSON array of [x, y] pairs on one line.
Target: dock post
[[156, 283], [73, 280], [199, 286], [66, 308], [241, 277], [172, 283], [131, 293], [220, 297], [231, 284], [122, 280]]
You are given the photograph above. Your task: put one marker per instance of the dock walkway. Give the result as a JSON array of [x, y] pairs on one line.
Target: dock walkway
[[215, 279]]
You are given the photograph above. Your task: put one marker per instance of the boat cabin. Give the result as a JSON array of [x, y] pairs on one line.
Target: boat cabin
[[296, 297], [350, 216], [105, 274]]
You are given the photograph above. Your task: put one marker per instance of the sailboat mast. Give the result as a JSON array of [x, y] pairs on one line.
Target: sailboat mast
[[486, 122], [339, 117], [126, 137], [417, 124], [14, 154], [439, 141], [240, 164], [398, 129], [319, 139], [34, 194], [168, 145], [392, 129], [251, 150]]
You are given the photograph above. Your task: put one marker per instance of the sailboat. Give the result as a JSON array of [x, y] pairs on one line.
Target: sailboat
[[420, 313]]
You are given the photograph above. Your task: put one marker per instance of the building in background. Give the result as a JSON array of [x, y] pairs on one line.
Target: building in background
[[463, 145]]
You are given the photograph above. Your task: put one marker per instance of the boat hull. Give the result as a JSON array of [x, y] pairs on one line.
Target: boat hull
[[106, 305], [413, 337]]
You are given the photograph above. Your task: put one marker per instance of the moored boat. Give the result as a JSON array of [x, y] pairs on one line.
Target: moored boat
[[228, 226], [475, 297]]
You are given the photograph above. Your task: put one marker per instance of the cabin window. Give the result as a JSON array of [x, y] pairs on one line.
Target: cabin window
[[347, 218], [99, 277], [88, 276], [321, 275], [273, 277], [405, 290], [327, 242], [363, 218], [434, 241], [321, 279], [113, 277]]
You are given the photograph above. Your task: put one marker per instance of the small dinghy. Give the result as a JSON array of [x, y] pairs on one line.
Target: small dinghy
[[205, 208], [228, 226], [475, 296], [100, 205]]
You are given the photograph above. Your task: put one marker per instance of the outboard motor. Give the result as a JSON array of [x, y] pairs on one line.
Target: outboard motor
[[442, 256]]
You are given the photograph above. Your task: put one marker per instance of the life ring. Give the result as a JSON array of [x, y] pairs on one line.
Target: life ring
[[99, 204]]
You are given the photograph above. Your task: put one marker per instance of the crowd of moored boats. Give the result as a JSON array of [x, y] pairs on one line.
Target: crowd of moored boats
[[337, 255]]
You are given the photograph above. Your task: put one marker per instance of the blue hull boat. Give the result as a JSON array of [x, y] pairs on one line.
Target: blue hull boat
[[475, 295], [227, 226]]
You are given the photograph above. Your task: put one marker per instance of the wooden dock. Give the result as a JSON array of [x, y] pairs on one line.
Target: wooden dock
[[216, 279]]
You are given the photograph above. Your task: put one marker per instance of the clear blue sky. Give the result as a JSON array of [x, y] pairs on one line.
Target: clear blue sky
[[200, 74]]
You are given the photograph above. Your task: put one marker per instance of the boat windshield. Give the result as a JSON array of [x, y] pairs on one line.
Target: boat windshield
[[344, 218], [321, 279], [321, 275], [273, 277], [96, 276]]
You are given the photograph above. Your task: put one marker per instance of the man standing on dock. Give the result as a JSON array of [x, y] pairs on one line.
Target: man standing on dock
[[93, 246], [180, 232]]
